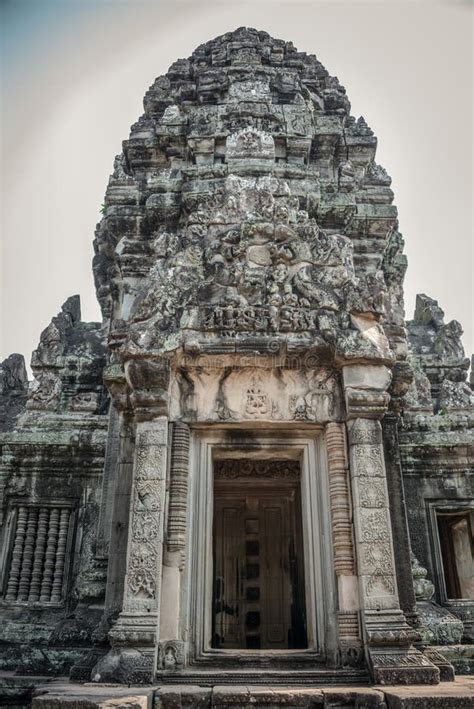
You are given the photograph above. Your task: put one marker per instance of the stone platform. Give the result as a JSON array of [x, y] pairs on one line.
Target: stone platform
[[54, 694]]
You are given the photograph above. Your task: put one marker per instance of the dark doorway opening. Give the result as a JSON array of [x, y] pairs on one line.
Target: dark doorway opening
[[455, 530], [258, 572]]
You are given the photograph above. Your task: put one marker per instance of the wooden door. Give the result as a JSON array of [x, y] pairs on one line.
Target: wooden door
[[258, 581], [275, 515]]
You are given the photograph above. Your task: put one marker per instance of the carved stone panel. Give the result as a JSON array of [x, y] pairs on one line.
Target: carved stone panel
[[229, 394], [146, 536], [371, 515], [137, 623]]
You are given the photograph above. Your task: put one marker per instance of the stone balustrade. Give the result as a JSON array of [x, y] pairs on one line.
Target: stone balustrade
[[37, 566]]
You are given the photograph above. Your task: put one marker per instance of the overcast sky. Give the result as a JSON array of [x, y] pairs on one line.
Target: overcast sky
[[74, 73]]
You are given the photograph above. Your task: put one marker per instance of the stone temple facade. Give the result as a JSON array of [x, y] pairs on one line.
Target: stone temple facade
[[254, 470]]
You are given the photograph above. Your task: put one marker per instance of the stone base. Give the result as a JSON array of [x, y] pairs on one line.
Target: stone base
[[39, 660], [265, 697], [460, 656], [392, 657], [437, 625], [124, 666], [264, 677], [446, 670], [82, 671], [451, 695], [88, 696], [399, 666], [16, 691], [133, 629]]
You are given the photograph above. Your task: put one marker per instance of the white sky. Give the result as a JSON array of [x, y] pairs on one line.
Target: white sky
[[74, 73]]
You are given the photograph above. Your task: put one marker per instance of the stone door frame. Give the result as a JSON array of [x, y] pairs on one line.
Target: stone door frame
[[432, 507], [305, 444]]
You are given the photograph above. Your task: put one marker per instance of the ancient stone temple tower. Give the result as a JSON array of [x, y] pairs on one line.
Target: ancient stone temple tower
[[254, 471]]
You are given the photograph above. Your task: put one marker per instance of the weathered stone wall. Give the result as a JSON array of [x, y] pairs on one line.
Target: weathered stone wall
[[50, 473], [437, 454]]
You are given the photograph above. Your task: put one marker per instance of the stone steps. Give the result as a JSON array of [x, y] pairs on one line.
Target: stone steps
[[460, 656], [58, 693], [266, 677]]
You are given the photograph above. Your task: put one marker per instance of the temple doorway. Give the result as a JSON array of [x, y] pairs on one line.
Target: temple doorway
[[258, 568]]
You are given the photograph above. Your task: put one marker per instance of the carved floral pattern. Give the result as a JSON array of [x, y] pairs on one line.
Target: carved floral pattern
[[232, 469], [374, 527], [372, 494], [146, 514], [368, 461], [142, 571]]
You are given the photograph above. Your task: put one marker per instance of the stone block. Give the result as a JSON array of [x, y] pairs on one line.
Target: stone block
[[357, 697], [460, 656], [89, 696], [366, 376], [446, 695], [179, 697], [266, 697]]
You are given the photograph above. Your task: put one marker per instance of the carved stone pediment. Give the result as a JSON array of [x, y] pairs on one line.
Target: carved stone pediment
[[249, 263]]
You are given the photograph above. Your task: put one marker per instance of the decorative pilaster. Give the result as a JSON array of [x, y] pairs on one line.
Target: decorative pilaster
[[171, 646], [343, 548], [344, 562], [371, 515], [388, 637], [134, 635], [179, 472]]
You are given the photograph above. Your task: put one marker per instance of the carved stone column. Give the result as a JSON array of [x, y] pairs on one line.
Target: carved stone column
[[343, 548], [171, 646], [134, 635], [388, 637]]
